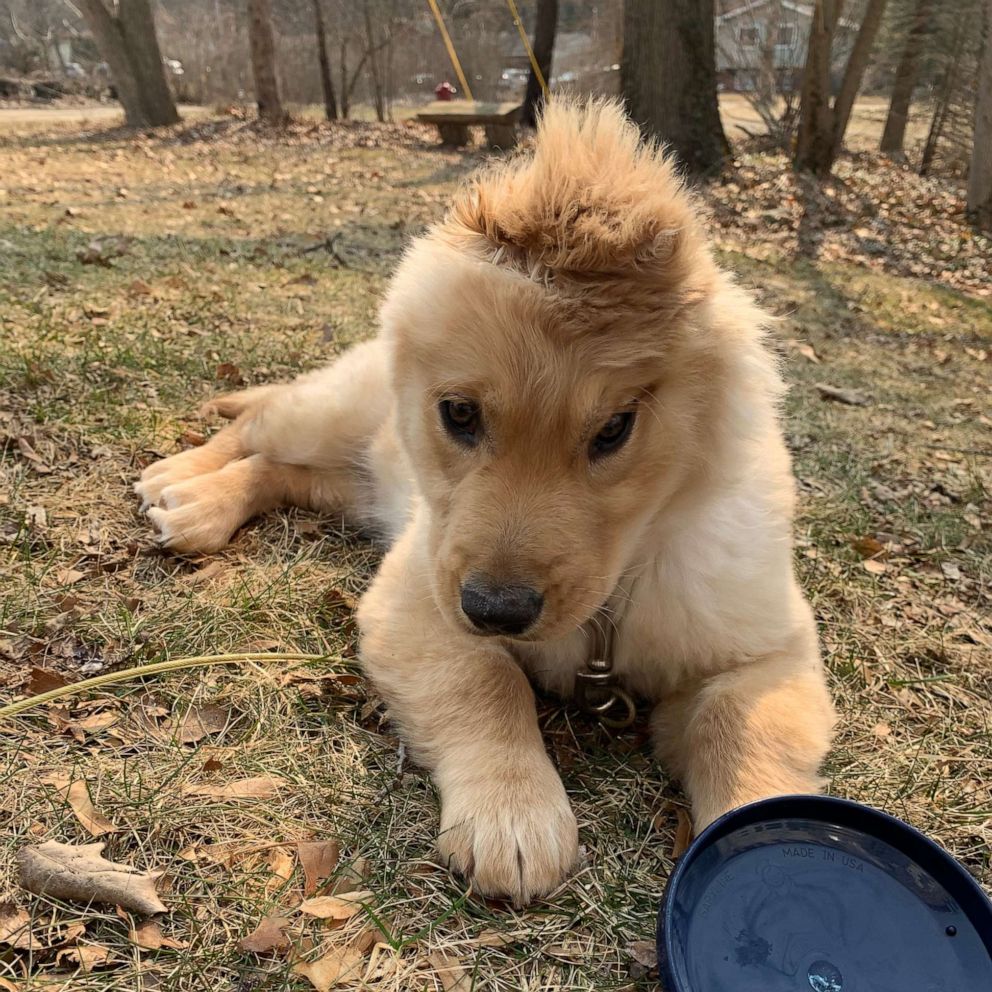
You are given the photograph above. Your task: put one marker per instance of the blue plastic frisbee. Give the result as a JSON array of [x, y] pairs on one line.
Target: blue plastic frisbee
[[804, 893]]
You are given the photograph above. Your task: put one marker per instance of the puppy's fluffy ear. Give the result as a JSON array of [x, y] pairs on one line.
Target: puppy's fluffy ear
[[593, 200]]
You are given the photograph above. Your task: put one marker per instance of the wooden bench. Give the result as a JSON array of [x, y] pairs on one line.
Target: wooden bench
[[453, 118]]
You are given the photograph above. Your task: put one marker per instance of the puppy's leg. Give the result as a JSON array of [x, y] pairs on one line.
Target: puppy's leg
[[303, 443], [467, 711], [202, 513], [758, 730]]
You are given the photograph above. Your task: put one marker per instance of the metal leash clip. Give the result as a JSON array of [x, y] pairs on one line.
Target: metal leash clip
[[599, 695]]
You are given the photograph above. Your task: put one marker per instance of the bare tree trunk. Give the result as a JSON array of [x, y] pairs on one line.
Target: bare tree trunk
[[129, 45], [668, 78], [375, 67], [942, 106], [854, 71], [263, 61], [544, 46], [326, 80], [980, 172], [905, 81], [815, 141], [345, 89]]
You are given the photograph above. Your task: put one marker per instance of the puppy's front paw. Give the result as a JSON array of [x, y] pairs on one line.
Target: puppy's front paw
[[515, 838], [191, 519]]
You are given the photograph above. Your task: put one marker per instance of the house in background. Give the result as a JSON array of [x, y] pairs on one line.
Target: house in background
[[763, 42]]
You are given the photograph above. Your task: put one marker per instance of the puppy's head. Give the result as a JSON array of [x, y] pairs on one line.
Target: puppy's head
[[554, 365]]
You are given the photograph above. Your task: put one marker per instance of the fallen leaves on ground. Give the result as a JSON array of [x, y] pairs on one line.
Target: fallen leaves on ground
[[68, 871], [77, 794], [453, 976], [326, 972], [86, 956], [871, 212], [15, 928], [43, 680], [148, 935], [259, 787], [267, 936], [318, 860], [201, 721], [339, 907]]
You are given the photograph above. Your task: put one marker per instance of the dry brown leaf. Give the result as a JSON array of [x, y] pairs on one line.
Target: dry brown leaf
[[881, 729], [78, 796], [68, 871], [260, 787], [98, 721], [201, 721], [209, 571], [230, 373], [72, 933], [318, 860], [492, 938], [281, 864], [644, 952], [683, 833], [867, 546], [806, 350], [43, 680], [87, 956], [267, 936], [69, 576], [874, 566], [15, 928], [339, 907], [327, 972], [351, 877], [148, 934], [454, 978]]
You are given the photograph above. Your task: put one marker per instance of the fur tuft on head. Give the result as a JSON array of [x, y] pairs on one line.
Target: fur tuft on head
[[592, 201]]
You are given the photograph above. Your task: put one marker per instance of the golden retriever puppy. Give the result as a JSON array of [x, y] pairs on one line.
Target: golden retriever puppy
[[568, 429]]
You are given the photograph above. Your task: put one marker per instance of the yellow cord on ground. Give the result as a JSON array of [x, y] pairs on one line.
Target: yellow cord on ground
[[175, 664], [530, 51], [452, 54]]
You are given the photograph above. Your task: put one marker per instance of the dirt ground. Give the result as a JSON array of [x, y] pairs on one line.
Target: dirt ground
[[138, 276]]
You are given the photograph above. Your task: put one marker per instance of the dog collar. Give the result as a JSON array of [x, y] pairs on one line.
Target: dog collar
[[597, 687]]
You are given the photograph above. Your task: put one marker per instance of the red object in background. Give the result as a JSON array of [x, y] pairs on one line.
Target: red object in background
[[444, 91]]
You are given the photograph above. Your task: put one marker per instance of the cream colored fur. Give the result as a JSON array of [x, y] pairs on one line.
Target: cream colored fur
[[561, 288]]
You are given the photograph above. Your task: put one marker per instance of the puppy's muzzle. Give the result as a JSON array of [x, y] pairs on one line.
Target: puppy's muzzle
[[493, 608]]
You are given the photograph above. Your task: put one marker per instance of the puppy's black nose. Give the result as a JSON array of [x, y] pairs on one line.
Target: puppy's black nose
[[500, 609]]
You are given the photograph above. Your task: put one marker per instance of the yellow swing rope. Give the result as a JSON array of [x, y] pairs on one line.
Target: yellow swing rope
[[530, 51], [142, 671], [452, 54]]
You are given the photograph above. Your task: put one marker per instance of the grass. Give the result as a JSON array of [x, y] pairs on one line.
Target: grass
[[246, 256]]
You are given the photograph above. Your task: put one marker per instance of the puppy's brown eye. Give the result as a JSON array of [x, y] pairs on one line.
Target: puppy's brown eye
[[614, 433], [461, 419]]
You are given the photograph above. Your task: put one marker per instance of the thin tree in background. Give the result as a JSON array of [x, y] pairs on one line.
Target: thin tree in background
[[907, 74], [326, 79], [545, 28], [263, 62], [668, 78], [944, 95], [125, 35], [980, 172], [854, 72], [822, 125]]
